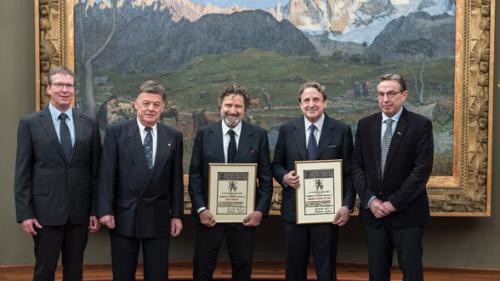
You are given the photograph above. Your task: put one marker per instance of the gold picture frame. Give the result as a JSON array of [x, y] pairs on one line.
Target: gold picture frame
[[467, 192]]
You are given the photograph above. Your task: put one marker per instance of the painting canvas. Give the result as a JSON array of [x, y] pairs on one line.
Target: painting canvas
[[195, 47]]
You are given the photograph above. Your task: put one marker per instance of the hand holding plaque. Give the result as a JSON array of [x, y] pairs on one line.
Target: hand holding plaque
[[231, 191], [320, 193]]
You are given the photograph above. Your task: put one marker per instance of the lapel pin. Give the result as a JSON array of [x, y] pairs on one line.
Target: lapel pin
[[399, 133], [169, 144]]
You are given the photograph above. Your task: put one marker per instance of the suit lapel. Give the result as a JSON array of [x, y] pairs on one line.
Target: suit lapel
[[396, 137], [327, 132], [299, 136], [78, 124], [376, 135], [215, 138], [136, 149], [162, 150], [244, 141], [50, 131]]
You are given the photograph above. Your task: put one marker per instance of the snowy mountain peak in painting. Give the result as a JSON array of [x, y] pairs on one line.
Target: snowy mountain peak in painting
[[357, 21], [178, 8]]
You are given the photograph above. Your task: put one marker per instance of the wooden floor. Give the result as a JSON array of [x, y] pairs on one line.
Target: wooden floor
[[262, 271]]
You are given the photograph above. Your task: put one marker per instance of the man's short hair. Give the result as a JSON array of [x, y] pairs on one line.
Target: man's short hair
[[60, 70], [153, 87], [394, 77], [312, 84], [234, 89]]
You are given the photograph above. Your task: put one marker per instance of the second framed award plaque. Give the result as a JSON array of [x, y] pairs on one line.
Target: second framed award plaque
[[231, 195], [320, 193]]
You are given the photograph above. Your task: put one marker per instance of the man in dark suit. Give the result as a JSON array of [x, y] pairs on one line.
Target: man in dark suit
[[392, 162], [140, 195], [231, 140], [298, 140], [56, 169]]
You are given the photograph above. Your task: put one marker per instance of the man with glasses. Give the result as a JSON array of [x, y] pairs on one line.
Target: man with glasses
[[141, 194], [56, 169], [392, 162], [314, 136]]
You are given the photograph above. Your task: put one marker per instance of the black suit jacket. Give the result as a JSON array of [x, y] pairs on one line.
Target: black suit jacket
[[335, 143], [141, 200], [253, 147], [47, 186], [407, 169]]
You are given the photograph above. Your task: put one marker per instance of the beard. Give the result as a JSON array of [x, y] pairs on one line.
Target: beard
[[231, 121]]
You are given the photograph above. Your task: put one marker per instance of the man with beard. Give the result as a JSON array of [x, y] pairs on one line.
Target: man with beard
[[231, 140], [314, 136]]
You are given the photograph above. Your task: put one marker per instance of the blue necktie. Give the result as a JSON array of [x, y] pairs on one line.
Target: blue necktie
[[65, 136], [148, 147], [312, 146], [231, 148]]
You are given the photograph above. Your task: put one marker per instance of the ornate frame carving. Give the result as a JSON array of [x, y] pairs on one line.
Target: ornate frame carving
[[466, 193]]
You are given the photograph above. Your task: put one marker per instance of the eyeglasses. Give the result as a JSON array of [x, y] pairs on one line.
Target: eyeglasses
[[61, 86], [389, 95]]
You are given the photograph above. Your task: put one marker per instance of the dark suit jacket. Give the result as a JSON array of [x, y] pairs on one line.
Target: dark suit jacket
[[407, 169], [47, 186], [253, 147], [141, 200], [335, 143]]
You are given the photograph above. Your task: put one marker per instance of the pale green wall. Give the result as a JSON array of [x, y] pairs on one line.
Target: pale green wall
[[452, 242]]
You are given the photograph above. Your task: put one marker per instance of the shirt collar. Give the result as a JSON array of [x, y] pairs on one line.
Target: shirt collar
[[54, 112], [394, 118], [142, 127], [236, 129], [318, 124]]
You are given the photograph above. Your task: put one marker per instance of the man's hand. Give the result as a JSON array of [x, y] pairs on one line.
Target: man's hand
[[253, 219], [389, 207], [378, 209], [341, 217], [175, 227], [207, 218], [94, 225], [108, 221], [28, 228], [292, 180]]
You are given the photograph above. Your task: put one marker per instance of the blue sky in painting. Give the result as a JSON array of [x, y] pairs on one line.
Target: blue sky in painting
[[253, 4]]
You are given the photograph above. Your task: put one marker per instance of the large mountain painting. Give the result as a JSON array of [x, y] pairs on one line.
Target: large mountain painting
[[196, 47]]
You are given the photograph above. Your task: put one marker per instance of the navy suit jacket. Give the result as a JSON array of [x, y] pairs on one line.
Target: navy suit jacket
[[253, 147], [406, 172], [141, 200], [335, 143], [47, 186]]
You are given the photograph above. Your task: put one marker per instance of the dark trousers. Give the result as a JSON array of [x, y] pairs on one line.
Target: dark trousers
[[125, 253], [240, 245], [381, 242], [300, 239], [68, 240]]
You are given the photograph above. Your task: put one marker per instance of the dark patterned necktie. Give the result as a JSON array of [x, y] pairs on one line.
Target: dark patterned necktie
[[312, 146], [65, 136], [386, 143], [148, 147], [231, 148]]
